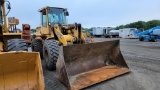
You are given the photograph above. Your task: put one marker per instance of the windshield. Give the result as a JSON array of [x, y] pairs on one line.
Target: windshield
[[56, 15]]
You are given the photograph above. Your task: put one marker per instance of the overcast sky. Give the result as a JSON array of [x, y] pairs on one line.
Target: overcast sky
[[90, 13]]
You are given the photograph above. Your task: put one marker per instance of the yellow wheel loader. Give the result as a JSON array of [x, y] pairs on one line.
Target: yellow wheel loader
[[79, 64], [19, 70]]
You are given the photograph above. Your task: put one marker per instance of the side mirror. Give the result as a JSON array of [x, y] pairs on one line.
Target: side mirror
[[8, 5], [66, 13]]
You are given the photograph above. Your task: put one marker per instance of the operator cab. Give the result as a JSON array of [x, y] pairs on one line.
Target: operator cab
[[53, 15]]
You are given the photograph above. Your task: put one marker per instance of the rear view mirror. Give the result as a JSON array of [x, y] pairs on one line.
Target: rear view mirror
[[8, 5]]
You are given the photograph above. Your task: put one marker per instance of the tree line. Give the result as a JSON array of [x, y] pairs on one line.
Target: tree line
[[141, 25]]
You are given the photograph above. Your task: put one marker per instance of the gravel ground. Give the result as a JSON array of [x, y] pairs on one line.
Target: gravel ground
[[143, 58]]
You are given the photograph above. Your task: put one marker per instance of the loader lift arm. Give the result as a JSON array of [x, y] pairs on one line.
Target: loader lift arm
[[58, 27]]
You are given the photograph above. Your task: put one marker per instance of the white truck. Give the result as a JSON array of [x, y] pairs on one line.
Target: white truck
[[114, 33], [101, 31], [98, 31]]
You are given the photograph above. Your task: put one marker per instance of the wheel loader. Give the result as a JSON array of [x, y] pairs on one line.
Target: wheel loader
[[26, 35], [19, 70], [64, 48]]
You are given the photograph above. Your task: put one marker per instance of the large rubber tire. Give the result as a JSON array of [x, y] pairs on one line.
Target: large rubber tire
[[16, 45], [37, 46], [141, 38], [154, 39], [50, 53], [107, 36]]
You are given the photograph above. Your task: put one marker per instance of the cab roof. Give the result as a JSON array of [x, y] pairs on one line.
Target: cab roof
[[40, 10]]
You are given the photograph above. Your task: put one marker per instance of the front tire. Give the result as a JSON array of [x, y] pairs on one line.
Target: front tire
[[141, 38], [51, 53], [154, 39], [16, 45]]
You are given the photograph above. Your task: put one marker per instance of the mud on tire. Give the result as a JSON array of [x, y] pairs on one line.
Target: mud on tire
[[16, 45], [50, 53], [37, 46]]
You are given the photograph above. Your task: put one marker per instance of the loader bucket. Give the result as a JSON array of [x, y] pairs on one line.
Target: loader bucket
[[83, 65], [21, 71]]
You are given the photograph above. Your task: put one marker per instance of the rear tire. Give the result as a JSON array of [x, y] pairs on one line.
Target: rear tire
[[51, 53], [154, 39], [106, 36], [37, 46], [141, 38], [16, 45]]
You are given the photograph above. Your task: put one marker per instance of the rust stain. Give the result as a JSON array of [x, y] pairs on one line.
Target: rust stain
[[96, 76]]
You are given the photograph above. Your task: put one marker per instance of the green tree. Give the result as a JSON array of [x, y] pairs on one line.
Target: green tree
[[138, 25], [153, 23], [33, 31], [120, 27], [141, 25]]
